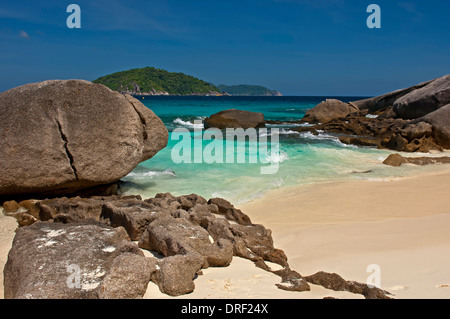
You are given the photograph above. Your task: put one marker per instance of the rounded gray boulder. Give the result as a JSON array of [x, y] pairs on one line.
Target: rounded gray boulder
[[62, 136]]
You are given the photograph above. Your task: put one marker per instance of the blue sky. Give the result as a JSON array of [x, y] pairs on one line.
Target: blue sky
[[299, 47]]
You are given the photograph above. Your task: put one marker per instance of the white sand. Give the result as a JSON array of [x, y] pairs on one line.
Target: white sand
[[403, 226], [8, 225]]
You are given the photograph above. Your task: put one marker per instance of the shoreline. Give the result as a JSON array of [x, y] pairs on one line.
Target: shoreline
[[345, 226], [342, 227]]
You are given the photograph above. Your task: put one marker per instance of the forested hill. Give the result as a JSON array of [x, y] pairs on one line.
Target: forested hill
[[152, 81]]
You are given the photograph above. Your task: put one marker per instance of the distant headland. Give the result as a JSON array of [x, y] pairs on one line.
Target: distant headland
[[153, 81]]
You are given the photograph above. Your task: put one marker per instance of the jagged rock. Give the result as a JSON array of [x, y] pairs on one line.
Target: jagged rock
[[175, 236], [235, 119], [133, 215], [77, 208], [329, 110], [44, 255], [397, 142], [398, 160], [337, 283], [10, 207], [31, 206], [24, 219], [291, 280], [176, 274], [418, 130], [253, 242], [208, 234], [440, 122], [59, 137], [231, 213], [425, 100], [361, 140], [127, 278], [384, 121]]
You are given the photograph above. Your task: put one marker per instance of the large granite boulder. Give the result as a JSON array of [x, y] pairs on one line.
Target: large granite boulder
[[329, 110], [235, 119], [381, 102], [61, 136], [424, 100], [63, 261]]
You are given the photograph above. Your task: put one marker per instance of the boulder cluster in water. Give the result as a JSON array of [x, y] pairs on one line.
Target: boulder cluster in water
[[416, 119], [104, 239]]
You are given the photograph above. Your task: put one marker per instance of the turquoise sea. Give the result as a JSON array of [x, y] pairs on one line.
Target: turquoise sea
[[303, 158]]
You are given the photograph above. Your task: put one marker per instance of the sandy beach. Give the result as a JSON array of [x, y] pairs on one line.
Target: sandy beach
[[343, 227]]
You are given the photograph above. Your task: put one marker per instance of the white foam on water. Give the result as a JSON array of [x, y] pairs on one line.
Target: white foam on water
[[188, 123], [276, 158], [152, 174]]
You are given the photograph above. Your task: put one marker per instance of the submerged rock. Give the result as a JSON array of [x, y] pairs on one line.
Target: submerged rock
[[62, 136]]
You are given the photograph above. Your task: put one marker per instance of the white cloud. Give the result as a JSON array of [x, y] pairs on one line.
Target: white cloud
[[24, 35]]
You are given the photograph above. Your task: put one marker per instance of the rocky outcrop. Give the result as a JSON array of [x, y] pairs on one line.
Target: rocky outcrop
[[335, 282], [59, 137], [84, 248], [235, 119], [425, 100], [398, 160], [395, 134], [128, 277], [189, 232], [440, 124], [329, 110], [387, 121]]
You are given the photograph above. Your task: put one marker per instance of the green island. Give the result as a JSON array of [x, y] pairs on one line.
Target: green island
[[153, 81]]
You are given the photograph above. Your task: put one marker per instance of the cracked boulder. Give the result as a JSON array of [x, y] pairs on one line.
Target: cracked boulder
[[61, 136]]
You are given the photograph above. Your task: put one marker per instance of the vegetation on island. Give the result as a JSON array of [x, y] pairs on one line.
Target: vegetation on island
[[153, 81], [150, 80]]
